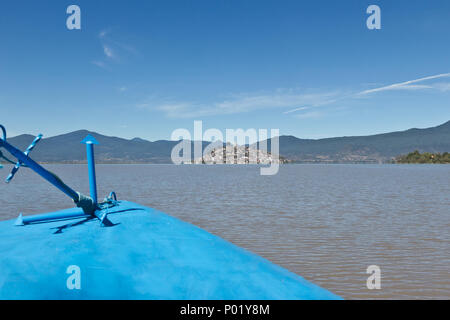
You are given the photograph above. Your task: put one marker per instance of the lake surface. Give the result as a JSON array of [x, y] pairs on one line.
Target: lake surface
[[327, 223]]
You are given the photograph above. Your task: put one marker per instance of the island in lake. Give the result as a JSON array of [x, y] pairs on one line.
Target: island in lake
[[426, 157]]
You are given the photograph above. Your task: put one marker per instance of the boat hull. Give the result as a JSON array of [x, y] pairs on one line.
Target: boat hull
[[147, 254]]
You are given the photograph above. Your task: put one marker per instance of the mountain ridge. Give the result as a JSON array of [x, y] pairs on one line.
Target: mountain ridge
[[382, 147]]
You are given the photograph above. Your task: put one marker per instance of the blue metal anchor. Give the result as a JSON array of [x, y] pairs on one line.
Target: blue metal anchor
[[89, 205]]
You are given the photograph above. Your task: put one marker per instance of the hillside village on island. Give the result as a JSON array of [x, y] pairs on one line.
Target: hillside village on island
[[234, 154]]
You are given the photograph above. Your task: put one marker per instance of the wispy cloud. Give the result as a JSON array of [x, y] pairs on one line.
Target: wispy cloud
[[103, 33], [113, 50], [296, 109], [300, 103], [100, 64], [445, 86], [108, 52], [310, 115], [281, 98]]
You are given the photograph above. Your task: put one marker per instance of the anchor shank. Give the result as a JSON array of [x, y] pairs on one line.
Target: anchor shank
[[50, 177]]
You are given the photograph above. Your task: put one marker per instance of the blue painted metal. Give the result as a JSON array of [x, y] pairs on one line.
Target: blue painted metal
[[86, 203], [112, 196], [146, 255], [19, 221], [69, 214], [27, 152], [90, 141], [50, 177], [3, 131]]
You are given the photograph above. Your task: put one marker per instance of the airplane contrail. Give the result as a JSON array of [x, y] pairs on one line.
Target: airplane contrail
[[403, 84], [400, 85]]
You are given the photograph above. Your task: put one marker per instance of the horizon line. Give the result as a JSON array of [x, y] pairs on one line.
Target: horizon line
[[283, 135]]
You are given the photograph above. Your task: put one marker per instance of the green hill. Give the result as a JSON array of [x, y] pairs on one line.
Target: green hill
[[426, 157]]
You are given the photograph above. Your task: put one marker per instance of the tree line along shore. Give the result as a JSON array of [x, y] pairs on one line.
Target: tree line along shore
[[426, 157]]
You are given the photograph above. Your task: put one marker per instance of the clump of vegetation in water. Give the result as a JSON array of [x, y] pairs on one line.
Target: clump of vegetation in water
[[426, 157]]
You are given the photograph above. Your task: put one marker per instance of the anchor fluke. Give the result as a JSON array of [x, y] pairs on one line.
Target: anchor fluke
[[19, 221]]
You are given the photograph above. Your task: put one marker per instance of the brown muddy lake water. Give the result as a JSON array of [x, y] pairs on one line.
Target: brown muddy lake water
[[327, 223]]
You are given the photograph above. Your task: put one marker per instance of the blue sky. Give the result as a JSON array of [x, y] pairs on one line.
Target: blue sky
[[145, 68]]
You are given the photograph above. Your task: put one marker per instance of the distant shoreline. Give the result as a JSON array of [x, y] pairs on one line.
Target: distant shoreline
[[231, 164]]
